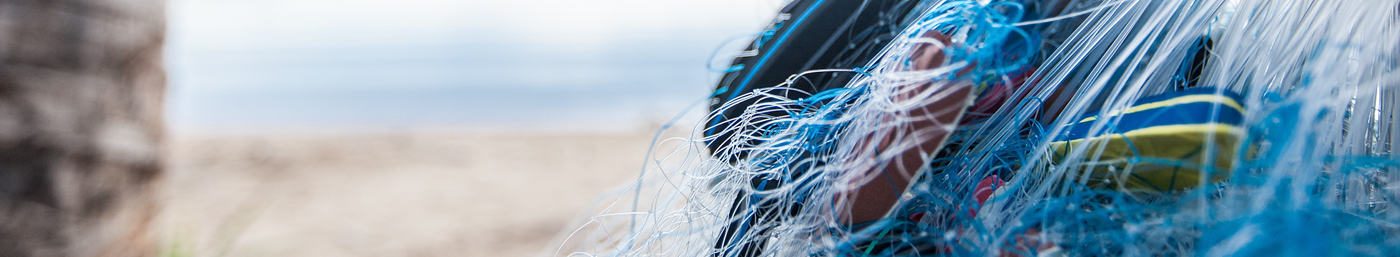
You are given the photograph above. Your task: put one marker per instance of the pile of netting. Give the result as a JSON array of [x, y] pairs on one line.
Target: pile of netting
[[1080, 128]]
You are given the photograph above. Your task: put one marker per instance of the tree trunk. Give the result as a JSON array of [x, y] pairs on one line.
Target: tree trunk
[[81, 87]]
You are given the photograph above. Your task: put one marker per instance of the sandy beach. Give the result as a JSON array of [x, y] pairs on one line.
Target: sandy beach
[[465, 192]]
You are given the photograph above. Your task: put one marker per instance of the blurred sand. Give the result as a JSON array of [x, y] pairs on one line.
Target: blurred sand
[[408, 193]]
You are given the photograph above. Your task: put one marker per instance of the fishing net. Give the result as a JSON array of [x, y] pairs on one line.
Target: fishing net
[[1079, 128]]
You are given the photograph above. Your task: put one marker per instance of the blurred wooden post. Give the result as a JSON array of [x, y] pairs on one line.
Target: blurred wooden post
[[81, 87]]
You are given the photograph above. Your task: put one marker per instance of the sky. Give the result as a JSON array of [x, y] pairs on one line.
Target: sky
[[311, 64]]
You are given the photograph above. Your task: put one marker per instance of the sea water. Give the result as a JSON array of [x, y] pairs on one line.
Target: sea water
[[424, 63]]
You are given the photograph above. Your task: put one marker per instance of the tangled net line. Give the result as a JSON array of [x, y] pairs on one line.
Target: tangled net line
[[1304, 172]]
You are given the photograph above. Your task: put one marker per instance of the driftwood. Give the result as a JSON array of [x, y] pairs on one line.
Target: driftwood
[[81, 87]]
